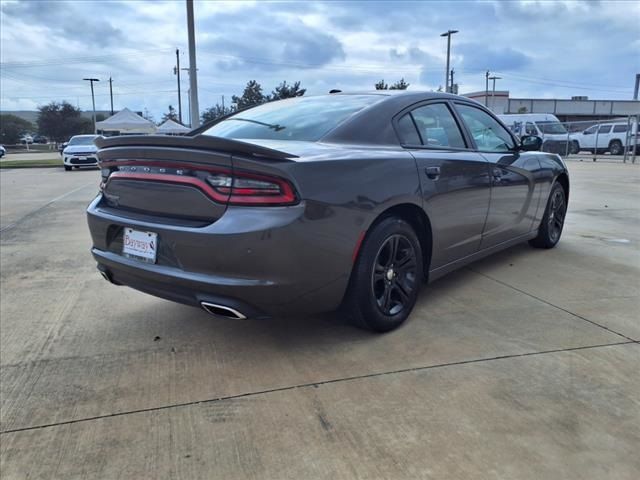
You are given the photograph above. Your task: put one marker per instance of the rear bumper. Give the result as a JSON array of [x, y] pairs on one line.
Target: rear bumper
[[261, 262]]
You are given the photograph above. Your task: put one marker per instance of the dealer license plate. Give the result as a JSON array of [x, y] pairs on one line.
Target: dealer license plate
[[140, 245]]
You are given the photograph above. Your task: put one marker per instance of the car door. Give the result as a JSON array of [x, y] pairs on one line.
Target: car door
[[515, 191], [604, 136], [588, 138], [454, 179]]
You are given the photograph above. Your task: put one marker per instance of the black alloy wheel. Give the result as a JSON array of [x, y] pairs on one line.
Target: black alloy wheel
[[552, 223], [393, 279], [386, 277]]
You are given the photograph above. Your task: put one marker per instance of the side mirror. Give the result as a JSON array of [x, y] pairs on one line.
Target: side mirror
[[530, 143]]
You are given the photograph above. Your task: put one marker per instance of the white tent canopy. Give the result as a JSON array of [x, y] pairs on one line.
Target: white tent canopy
[[171, 128], [126, 121]]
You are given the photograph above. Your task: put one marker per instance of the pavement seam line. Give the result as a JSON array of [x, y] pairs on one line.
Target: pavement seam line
[[310, 385], [6, 228], [552, 305]]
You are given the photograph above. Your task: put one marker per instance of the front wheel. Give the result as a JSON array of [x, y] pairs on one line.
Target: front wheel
[[386, 277], [574, 147], [67, 168], [552, 223], [615, 148]]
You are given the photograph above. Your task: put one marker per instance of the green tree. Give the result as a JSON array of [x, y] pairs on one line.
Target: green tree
[[215, 112], [381, 85], [12, 128], [399, 85], [60, 121], [251, 96], [287, 91], [522, 110], [170, 115]]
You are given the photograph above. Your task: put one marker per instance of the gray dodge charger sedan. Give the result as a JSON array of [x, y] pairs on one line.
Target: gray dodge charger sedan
[[314, 203]]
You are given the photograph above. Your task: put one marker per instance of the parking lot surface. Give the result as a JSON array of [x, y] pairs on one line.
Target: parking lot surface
[[522, 366]]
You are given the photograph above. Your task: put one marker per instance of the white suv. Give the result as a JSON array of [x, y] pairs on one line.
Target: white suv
[[80, 152], [610, 137]]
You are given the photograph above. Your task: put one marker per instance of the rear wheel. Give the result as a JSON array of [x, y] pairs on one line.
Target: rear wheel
[[386, 277], [552, 223], [615, 147]]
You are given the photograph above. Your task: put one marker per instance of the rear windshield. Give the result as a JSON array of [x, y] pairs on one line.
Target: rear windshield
[[82, 140], [304, 118]]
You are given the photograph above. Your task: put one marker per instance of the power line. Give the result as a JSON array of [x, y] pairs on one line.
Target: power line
[[80, 59]]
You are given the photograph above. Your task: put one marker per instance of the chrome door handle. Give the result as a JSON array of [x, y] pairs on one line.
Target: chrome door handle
[[432, 172]]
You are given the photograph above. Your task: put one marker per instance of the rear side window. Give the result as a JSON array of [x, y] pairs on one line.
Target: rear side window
[[407, 131], [620, 128], [436, 126], [303, 118], [604, 129], [489, 135], [530, 129]]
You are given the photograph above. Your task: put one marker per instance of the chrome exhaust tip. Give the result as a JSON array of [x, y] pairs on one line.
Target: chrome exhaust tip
[[222, 311], [105, 276]]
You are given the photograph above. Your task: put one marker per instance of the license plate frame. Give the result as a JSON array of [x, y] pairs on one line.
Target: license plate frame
[[140, 245]]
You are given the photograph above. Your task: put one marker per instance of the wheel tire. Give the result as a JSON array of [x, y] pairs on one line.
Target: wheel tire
[[386, 277], [67, 168], [574, 147], [552, 223], [615, 147]]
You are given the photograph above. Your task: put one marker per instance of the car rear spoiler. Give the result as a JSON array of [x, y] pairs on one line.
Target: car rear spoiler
[[198, 142]]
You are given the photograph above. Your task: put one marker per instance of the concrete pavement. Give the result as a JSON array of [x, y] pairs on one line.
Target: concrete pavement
[[523, 365]]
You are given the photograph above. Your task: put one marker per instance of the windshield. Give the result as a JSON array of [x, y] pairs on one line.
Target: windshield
[[551, 127], [307, 119], [82, 140]]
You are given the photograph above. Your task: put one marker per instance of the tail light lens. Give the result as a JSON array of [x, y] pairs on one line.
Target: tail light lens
[[253, 189]]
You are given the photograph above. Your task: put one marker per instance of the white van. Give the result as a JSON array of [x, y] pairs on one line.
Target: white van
[[543, 125]]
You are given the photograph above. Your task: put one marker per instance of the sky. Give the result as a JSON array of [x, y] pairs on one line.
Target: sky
[[539, 48]]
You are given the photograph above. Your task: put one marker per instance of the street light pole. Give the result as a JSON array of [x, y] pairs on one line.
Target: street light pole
[[93, 101], [176, 70], [493, 91], [448, 34], [486, 89], [193, 80]]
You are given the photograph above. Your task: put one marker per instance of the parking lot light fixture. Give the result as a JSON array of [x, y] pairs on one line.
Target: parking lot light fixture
[[448, 34]]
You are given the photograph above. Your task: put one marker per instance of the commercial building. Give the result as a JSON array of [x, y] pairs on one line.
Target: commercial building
[[575, 109]]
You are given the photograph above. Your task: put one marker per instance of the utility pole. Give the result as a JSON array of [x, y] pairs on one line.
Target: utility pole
[[635, 90], [176, 71], [486, 89], [223, 103], [93, 101], [111, 93], [447, 34], [493, 91], [452, 72], [193, 80]]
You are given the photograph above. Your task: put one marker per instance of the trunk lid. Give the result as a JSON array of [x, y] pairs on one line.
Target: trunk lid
[[169, 179]]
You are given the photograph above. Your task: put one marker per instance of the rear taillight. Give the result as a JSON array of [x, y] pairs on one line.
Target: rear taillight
[[253, 189]]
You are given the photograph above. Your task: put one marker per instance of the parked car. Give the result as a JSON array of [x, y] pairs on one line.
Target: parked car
[[610, 137], [26, 139], [544, 125], [40, 139], [314, 203], [80, 152], [3, 151]]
